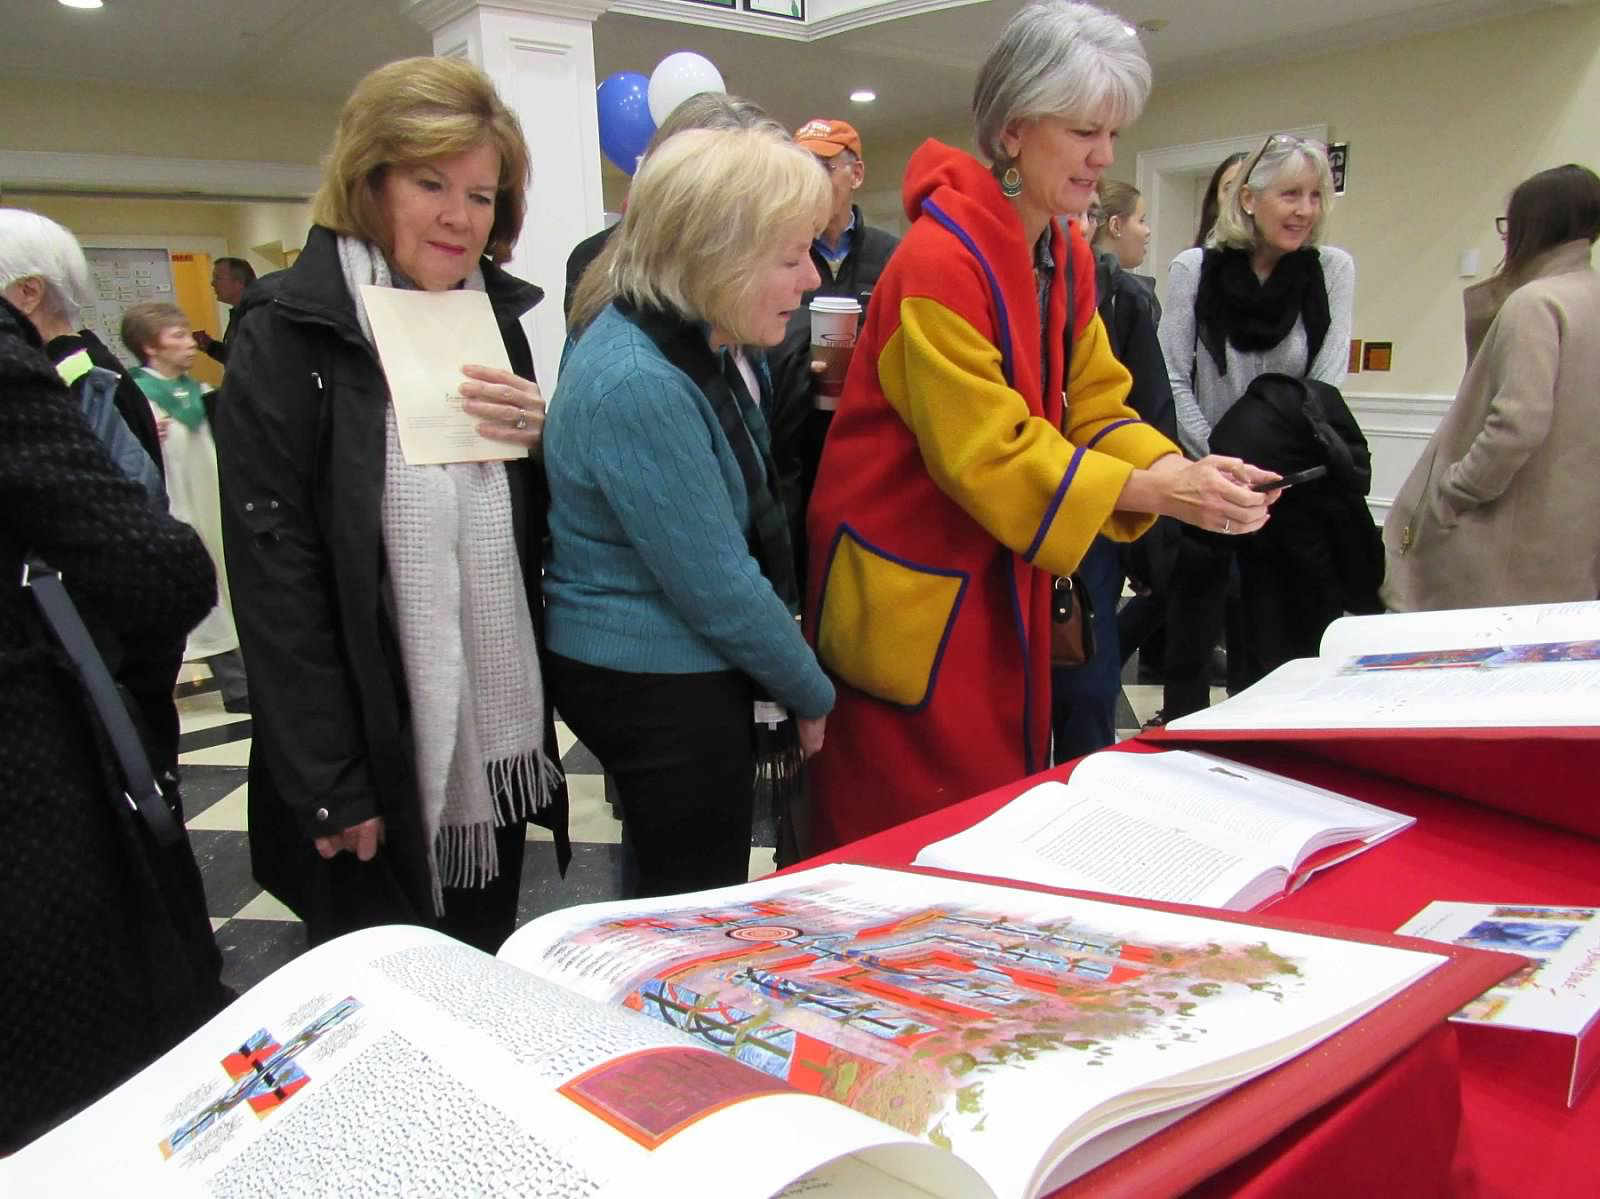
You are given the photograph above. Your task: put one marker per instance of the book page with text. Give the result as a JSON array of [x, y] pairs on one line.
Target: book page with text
[[1178, 826], [399, 1061], [1397, 632]]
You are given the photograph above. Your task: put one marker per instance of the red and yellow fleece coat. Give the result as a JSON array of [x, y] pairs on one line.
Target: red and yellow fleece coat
[[954, 484]]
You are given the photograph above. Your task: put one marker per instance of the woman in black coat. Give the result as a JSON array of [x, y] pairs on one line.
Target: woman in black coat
[[97, 976], [389, 614]]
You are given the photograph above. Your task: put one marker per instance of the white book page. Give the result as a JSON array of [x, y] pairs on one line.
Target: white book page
[[424, 338], [1313, 693], [399, 1061], [1008, 1025], [1395, 632], [1177, 826]]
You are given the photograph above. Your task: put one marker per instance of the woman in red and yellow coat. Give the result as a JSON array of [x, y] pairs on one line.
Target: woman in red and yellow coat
[[968, 464]]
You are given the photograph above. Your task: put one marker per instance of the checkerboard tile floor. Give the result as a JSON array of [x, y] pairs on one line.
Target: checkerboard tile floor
[[258, 934]]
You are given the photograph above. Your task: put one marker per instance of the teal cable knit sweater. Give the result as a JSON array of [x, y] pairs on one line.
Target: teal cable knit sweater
[[649, 567]]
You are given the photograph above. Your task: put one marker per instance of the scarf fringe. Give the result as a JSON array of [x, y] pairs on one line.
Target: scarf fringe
[[465, 855]]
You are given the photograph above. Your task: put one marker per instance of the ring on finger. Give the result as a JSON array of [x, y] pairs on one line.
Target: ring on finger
[[1227, 525], [522, 421]]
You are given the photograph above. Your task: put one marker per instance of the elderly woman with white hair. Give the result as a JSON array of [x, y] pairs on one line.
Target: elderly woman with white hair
[[43, 272], [44, 275], [669, 583], [1262, 296], [971, 458]]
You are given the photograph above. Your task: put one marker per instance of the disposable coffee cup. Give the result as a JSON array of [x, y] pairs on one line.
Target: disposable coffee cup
[[833, 340]]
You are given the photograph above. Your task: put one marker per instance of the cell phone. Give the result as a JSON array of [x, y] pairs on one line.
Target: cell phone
[[1299, 476]]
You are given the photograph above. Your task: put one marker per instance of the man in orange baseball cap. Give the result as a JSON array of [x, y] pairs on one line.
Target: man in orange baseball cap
[[849, 255]]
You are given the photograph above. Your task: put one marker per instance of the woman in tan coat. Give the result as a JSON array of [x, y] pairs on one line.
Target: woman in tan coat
[[1502, 506]]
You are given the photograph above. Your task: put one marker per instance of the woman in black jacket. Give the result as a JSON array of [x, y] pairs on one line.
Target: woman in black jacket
[[389, 613], [98, 977]]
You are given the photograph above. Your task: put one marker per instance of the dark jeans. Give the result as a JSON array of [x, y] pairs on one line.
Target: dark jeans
[[679, 749], [1083, 699]]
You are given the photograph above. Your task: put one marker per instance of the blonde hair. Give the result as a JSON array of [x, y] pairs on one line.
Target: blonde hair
[[1280, 155], [1116, 199], [704, 213], [707, 110], [144, 323], [412, 112]]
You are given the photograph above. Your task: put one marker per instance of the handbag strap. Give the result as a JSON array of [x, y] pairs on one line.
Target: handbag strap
[[141, 791]]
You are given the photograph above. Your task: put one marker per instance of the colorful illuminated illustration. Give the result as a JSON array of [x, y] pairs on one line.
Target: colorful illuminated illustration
[[900, 1018], [1489, 656], [264, 1073]]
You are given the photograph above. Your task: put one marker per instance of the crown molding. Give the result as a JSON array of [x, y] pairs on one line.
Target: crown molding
[[179, 178], [813, 28], [434, 15]]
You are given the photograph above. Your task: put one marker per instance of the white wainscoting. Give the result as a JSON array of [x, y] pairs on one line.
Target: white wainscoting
[[1397, 429]]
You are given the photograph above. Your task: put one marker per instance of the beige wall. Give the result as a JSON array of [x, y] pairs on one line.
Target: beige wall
[[100, 118], [1440, 127], [240, 226]]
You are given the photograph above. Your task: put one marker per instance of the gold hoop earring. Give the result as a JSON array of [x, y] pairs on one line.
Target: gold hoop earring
[[1011, 182]]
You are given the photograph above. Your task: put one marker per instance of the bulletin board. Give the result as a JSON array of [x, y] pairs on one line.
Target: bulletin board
[[121, 278]]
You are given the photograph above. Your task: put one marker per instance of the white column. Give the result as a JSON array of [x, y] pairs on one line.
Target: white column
[[540, 55]]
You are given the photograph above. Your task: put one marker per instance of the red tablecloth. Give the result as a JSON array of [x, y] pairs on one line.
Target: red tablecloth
[[1518, 1138]]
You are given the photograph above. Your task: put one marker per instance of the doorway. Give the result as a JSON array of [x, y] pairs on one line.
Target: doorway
[[1173, 182]]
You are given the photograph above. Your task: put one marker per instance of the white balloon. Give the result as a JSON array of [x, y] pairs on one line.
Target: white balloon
[[676, 78]]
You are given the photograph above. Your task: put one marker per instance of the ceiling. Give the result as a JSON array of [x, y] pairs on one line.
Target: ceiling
[[921, 66]]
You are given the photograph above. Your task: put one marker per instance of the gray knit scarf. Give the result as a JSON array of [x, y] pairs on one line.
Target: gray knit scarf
[[466, 639]]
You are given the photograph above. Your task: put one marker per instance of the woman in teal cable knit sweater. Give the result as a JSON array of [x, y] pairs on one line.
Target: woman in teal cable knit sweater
[[669, 583]]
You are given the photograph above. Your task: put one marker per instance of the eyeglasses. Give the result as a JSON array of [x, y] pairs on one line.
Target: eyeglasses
[[1287, 139], [1500, 225]]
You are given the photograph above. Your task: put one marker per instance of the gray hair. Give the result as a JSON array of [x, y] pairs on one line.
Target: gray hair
[[1059, 59], [1281, 154], [32, 245]]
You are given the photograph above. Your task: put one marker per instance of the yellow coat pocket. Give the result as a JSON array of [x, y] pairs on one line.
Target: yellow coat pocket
[[883, 621]]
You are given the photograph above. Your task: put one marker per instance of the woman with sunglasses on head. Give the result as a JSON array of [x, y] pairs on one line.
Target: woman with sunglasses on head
[[1262, 296], [1500, 507]]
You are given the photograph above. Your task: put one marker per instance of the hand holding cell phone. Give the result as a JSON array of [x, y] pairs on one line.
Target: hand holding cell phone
[[1299, 476]]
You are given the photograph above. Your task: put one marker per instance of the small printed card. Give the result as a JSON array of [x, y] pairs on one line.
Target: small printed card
[[1558, 991], [424, 338]]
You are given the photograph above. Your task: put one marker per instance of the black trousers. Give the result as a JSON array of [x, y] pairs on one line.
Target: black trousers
[[1197, 600], [679, 748]]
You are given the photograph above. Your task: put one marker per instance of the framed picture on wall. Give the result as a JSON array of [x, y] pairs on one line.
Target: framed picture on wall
[[1338, 163], [794, 10]]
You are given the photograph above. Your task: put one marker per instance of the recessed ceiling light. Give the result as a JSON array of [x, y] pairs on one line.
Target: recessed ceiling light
[[863, 96], [82, 3]]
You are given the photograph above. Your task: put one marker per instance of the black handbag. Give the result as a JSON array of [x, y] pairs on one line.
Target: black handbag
[[186, 965]]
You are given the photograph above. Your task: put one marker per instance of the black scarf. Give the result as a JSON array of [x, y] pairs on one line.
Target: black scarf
[[1232, 306]]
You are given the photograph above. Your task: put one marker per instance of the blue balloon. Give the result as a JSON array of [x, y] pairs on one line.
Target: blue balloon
[[626, 126]]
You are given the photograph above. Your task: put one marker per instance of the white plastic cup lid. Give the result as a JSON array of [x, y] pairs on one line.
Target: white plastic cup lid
[[839, 304]]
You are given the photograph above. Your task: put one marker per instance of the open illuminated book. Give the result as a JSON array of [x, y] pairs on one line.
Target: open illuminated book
[[840, 1031], [1536, 665], [1177, 826]]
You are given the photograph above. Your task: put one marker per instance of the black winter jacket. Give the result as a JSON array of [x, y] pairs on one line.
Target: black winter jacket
[[96, 983], [300, 445]]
